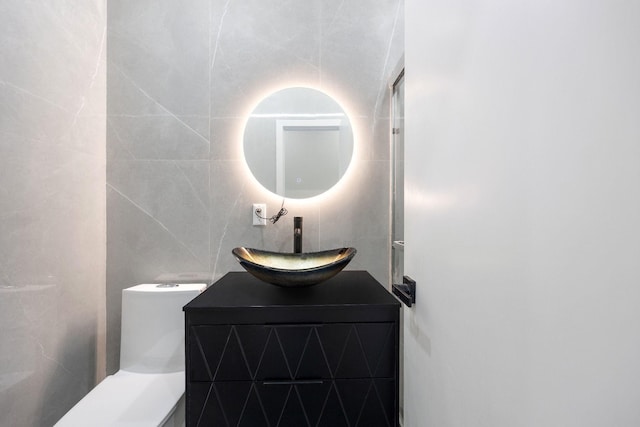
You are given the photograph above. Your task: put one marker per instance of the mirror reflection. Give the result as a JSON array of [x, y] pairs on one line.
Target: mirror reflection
[[298, 142]]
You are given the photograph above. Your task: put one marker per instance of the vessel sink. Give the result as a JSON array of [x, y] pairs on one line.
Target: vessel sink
[[293, 269]]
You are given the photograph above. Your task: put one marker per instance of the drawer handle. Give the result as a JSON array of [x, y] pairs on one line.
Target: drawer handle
[[292, 382], [294, 325]]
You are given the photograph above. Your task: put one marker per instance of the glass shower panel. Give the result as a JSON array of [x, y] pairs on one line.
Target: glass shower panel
[[397, 205]]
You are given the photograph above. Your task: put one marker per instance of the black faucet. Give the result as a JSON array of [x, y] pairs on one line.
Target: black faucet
[[297, 234]]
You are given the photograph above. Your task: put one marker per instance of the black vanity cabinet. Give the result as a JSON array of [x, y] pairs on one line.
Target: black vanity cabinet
[[261, 355]]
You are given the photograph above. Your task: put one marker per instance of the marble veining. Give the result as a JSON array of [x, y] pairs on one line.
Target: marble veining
[[52, 205], [25, 91], [214, 50], [230, 215], [155, 220], [162, 107], [94, 76]]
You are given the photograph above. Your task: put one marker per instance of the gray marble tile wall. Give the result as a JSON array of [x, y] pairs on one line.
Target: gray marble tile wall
[[52, 206], [182, 76]]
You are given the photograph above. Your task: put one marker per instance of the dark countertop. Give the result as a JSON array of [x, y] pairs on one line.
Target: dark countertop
[[242, 290]]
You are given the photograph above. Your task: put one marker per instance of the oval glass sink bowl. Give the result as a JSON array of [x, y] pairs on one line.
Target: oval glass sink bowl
[[293, 270]]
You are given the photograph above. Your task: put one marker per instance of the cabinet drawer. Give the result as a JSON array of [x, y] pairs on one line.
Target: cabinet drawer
[[332, 403], [280, 352]]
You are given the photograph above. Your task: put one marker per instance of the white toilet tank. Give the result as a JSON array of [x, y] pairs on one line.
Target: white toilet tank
[[152, 338], [148, 390]]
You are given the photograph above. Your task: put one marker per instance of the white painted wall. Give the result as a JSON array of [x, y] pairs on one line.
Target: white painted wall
[[523, 213]]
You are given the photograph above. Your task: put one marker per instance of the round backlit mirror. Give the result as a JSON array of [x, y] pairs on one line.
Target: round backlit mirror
[[298, 142]]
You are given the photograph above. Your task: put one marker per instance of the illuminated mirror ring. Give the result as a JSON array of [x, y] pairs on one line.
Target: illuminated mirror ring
[[298, 142]]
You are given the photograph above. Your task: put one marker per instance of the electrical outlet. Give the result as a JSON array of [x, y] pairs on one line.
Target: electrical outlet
[[261, 210]]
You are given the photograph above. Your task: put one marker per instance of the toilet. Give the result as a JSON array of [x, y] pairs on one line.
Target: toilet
[[148, 390]]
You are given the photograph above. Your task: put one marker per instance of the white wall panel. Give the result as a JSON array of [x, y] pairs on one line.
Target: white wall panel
[[522, 174]]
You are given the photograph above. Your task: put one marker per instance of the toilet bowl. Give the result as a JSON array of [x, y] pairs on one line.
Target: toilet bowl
[[148, 390]]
